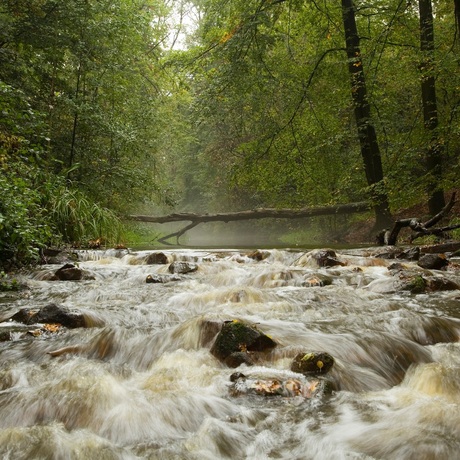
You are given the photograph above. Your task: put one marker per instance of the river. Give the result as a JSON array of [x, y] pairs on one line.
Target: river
[[142, 383]]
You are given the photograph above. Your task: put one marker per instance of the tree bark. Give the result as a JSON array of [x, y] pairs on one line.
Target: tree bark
[[262, 213], [420, 229], [370, 151], [457, 18], [434, 152]]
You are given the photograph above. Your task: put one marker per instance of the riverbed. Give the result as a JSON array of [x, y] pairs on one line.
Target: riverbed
[[141, 383]]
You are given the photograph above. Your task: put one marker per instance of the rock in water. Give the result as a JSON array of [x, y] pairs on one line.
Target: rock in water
[[155, 258], [182, 267], [69, 272], [312, 363], [290, 387], [433, 261], [237, 337]]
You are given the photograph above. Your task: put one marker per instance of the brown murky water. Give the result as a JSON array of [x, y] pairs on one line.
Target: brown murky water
[[144, 386]]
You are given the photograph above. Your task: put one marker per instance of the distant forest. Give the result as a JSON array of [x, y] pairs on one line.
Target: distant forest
[[117, 107]]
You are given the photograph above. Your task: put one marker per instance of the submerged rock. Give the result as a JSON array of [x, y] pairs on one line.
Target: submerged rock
[[259, 255], [208, 331], [51, 314], [312, 363], [182, 267], [238, 337], [156, 258], [316, 280], [237, 358], [274, 386], [323, 258], [162, 278]]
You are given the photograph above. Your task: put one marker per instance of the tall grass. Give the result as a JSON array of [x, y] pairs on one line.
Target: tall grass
[[80, 220]]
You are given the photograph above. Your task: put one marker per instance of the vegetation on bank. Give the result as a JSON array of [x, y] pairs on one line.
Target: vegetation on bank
[[265, 104]]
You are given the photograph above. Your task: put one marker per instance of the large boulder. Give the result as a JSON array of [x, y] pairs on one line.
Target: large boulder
[[236, 340], [433, 261], [50, 314]]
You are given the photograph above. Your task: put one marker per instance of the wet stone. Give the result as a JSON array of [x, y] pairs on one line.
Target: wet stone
[[156, 258], [50, 314], [278, 387], [5, 336], [398, 253], [23, 315], [317, 280], [162, 278], [182, 267], [57, 256], [416, 284], [208, 331], [325, 258], [69, 272], [259, 255], [435, 283], [312, 363], [237, 358], [433, 261], [236, 336]]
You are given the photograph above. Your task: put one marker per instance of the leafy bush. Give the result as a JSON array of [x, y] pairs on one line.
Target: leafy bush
[[80, 220], [23, 226], [7, 283]]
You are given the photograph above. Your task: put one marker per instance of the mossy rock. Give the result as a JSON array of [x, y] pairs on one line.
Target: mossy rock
[[416, 284], [312, 363], [236, 336]]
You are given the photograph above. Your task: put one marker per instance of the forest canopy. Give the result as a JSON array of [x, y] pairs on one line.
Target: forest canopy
[[114, 107]]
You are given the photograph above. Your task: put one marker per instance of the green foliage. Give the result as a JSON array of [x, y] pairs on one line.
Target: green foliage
[[139, 235], [7, 283], [80, 220], [274, 125], [24, 227]]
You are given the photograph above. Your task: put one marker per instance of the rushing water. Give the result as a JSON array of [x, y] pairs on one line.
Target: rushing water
[[142, 383]]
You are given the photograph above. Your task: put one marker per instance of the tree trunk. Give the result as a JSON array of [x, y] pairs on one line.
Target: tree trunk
[[457, 18], [370, 151], [262, 213], [434, 152]]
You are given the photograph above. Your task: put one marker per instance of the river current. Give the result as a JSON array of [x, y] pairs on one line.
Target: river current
[[142, 383]]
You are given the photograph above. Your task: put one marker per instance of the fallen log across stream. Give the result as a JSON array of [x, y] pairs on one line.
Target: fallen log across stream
[[260, 213]]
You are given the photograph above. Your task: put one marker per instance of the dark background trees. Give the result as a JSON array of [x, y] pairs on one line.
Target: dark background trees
[[255, 110]]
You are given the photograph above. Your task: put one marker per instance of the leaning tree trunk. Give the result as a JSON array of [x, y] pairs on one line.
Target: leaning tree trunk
[[370, 151], [434, 153]]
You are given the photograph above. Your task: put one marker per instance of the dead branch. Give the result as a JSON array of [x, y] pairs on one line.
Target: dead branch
[[261, 213], [421, 229]]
